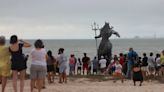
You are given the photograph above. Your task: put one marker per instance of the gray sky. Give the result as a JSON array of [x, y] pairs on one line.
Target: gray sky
[[72, 19]]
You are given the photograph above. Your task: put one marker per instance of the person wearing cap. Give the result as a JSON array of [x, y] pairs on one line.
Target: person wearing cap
[[102, 63], [4, 63]]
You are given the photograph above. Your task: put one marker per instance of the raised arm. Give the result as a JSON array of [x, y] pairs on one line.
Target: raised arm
[[116, 33], [25, 43], [98, 36]]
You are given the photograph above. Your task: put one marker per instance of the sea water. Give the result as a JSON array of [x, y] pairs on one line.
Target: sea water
[[78, 47]]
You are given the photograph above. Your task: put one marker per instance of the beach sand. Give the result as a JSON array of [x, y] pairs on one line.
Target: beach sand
[[87, 85]]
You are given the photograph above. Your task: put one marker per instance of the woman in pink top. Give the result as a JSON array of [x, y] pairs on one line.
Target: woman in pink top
[[72, 61]]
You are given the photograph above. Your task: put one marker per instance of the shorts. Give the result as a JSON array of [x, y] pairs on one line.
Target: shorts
[[157, 68], [62, 69], [95, 70], [50, 68], [102, 70], [78, 68], [19, 67], [85, 66], [151, 69], [144, 68], [37, 72]]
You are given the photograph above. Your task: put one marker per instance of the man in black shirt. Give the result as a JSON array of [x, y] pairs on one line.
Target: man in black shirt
[[85, 61], [144, 67]]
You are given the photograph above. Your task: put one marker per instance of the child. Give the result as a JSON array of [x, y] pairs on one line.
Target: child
[[137, 74], [50, 66], [118, 71], [79, 66]]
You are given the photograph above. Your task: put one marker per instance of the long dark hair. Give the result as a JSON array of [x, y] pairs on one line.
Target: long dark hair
[[49, 53]]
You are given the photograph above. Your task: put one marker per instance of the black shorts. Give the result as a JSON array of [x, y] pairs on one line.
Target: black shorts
[[78, 68], [157, 68], [57, 69], [89, 68], [50, 68], [18, 66], [95, 70]]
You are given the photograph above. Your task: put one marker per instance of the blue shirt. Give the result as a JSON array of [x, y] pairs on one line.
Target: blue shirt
[[132, 55]]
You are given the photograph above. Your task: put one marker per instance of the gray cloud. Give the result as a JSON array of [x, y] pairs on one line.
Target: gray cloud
[[74, 17]]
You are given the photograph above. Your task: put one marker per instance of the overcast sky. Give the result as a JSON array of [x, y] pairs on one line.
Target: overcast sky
[[72, 19]]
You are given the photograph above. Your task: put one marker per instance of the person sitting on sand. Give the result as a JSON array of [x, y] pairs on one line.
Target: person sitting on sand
[[62, 61], [137, 74], [118, 71], [4, 63]]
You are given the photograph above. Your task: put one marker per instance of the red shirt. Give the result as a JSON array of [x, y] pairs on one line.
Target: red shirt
[[121, 60], [72, 60]]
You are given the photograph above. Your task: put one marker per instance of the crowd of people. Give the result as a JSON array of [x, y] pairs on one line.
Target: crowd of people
[[43, 64]]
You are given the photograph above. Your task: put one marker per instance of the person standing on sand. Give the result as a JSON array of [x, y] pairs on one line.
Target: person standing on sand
[[50, 66], [95, 65], [62, 61], [72, 61], [137, 74], [102, 63], [79, 66], [121, 59], [85, 61], [151, 65], [162, 63], [38, 67], [124, 66], [132, 57], [157, 64], [144, 65], [4, 62], [18, 61]]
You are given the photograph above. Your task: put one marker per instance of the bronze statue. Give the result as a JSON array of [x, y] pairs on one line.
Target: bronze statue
[[105, 47]]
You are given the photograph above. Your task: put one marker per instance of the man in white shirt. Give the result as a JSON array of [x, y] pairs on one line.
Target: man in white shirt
[[102, 63], [151, 64]]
